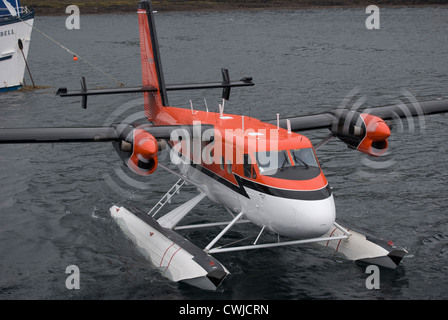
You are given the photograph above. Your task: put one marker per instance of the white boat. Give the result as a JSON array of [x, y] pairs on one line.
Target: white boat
[[16, 24]]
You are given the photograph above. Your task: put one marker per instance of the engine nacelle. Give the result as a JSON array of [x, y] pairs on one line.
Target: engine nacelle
[[139, 149], [143, 160], [362, 131]]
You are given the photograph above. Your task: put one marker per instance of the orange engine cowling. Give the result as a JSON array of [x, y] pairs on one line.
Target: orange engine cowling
[[143, 159], [138, 149], [377, 131], [362, 131]]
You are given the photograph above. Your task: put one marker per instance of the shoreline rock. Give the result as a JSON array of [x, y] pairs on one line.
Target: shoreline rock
[[46, 7]]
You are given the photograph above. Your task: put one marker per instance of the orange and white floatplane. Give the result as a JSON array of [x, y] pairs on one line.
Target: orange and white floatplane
[[262, 172]]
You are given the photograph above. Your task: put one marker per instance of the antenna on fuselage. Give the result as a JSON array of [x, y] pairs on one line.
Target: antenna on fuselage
[[221, 107], [206, 107], [191, 106]]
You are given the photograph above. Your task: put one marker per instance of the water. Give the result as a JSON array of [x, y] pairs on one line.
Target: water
[[54, 199]]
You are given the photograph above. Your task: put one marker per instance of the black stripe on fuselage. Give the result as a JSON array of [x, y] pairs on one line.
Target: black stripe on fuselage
[[319, 194]]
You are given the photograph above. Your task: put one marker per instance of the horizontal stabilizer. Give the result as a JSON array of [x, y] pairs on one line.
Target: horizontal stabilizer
[[226, 84], [63, 92], [84, 92]]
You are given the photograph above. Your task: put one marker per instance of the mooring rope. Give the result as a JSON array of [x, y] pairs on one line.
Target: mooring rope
[[73, 53]]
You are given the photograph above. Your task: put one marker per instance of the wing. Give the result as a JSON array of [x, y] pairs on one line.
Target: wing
[[90, 134], [417, 109], [52, 135], [137, 146], [366, 131]]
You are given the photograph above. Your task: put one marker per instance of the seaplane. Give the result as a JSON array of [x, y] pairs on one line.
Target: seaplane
[[261, 172]]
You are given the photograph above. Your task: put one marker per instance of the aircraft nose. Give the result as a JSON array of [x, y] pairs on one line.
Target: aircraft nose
[[315, 218]]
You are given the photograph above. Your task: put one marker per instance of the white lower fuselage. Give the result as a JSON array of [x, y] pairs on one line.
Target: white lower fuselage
[[288, 217]]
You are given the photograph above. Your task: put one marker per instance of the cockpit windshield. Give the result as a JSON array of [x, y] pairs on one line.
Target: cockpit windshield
[[270, 162], [304, 157]]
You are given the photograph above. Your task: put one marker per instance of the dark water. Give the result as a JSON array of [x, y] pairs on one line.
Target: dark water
[[54, 199]]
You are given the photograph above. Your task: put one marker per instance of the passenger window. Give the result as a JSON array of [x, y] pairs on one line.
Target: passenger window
[[210, 156], [229, 167], [247, 166]]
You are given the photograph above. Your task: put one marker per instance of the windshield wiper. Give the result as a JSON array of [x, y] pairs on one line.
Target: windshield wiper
[[284, 161], [296, 158]]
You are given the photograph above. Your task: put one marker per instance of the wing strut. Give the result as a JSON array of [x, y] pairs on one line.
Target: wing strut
[[223, 232], [172, 218]]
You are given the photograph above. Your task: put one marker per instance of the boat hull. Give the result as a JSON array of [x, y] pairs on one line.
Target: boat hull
[[12, 58]]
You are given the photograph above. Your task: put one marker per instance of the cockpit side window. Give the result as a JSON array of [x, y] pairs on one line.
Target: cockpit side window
[[248, 169]]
